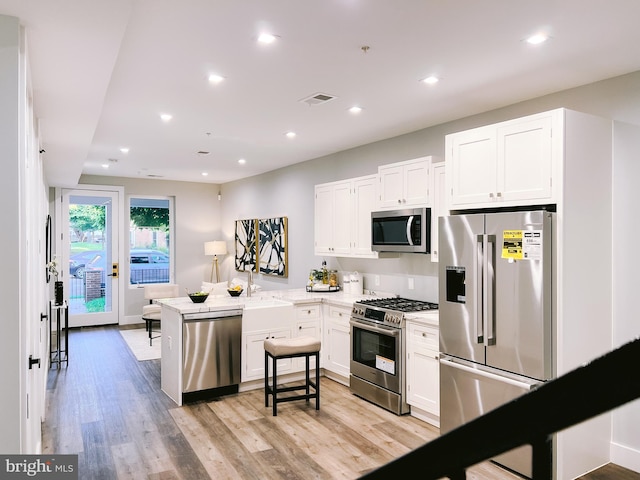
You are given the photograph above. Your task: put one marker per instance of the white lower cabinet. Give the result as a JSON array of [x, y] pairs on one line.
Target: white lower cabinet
[[423, 372], [337, 340], [308, 324], [253, 354]]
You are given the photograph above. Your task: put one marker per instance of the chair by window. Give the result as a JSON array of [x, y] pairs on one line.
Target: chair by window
[[151, 312]]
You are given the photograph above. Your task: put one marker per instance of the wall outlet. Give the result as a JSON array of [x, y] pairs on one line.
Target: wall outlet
[[376, 280], [411, 284]]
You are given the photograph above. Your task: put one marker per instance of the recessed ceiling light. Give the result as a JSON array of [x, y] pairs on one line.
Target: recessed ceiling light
[[290, 134], [266, 38], [204, 174], [124, 150], [215, 78], [242, 161], [166, 117], [430, 80], [355, 109], [105, 165], [537, 39]]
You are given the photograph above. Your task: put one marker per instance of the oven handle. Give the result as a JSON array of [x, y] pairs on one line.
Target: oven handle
[[390, 331]]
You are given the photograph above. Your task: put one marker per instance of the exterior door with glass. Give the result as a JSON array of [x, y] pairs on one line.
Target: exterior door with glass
[[89, 245]]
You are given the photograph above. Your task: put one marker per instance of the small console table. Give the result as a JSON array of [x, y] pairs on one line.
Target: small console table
[[59, 350]]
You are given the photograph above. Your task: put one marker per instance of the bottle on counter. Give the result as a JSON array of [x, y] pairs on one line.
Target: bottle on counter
[[325, 273], [333, 278]]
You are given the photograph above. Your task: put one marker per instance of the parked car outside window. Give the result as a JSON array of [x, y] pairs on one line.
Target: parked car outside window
[[78, 261], [145, 266]]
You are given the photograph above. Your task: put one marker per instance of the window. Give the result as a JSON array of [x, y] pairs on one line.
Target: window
[[150, 240]]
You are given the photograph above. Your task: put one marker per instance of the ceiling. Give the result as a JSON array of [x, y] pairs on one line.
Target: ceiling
[[103, 71]]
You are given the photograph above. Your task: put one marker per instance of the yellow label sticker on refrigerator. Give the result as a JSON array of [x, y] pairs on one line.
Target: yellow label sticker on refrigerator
[[522, 244], [512, 244]]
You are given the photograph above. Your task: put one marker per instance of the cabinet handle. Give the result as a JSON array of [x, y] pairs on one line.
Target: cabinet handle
[[491, 195], [499, 194], [299, 327], [399, 200]]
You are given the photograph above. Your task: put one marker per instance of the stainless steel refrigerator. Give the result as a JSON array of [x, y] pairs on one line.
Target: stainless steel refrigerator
[[496, 291]]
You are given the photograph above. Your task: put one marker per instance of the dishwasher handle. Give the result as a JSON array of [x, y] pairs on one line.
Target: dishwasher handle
[[220, 314]]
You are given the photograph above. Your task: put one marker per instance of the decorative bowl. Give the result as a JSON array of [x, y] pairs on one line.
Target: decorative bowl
[[198, 297], [234, 293]]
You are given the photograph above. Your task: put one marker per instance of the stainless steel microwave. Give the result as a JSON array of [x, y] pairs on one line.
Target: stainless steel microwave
[[407, 230]]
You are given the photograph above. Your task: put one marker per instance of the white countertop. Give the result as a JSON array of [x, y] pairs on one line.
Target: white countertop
[[295, 296], [226, 302]]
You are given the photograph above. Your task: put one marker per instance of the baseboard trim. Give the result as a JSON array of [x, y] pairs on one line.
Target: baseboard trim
[[132, 320], [625, 457]]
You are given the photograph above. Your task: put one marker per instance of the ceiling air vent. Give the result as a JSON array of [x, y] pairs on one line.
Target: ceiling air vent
[[318, 99]]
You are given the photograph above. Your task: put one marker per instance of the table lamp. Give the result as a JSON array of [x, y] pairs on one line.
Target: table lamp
[[215, 248]]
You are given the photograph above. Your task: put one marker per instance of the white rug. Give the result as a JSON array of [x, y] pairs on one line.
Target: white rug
[[138, 341]]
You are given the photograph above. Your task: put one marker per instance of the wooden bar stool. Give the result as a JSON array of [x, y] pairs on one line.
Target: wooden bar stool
[[291, 348]]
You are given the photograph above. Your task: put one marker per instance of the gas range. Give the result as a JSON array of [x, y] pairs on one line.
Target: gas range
[[389, 311]]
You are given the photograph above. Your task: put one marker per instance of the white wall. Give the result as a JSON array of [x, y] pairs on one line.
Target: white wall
[[626, 265], [10, 347]]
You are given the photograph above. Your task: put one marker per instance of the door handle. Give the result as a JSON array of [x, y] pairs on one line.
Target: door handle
[[114, 270], [489, 300], [478, 292], [33, 361]]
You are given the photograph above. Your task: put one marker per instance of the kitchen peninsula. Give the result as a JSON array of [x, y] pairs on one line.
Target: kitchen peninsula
[[287, 314]]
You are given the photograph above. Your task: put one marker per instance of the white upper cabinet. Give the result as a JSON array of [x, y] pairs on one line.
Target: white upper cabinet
[[333, 218], [343, 217], [404, 184], [364, 202], [505, 164]]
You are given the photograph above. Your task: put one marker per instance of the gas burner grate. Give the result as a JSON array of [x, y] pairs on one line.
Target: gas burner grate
[[400, 304]]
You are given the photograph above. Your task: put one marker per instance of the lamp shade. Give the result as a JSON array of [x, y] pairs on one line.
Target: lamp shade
[[217, 247]]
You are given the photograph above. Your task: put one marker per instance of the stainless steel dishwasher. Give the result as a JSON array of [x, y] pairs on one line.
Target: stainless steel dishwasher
[[211, 350]]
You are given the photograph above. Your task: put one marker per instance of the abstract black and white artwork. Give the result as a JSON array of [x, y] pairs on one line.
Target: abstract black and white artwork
[[246, 245], [273, 246]]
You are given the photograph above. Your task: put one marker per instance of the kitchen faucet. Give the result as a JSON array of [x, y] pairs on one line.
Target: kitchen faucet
[[249, 282]]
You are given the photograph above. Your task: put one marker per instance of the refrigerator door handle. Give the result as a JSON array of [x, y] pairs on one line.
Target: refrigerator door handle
[[449, 361], [478, 291], [490, 283]]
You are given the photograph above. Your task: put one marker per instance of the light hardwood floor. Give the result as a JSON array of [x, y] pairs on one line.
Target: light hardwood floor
[[108, 408]]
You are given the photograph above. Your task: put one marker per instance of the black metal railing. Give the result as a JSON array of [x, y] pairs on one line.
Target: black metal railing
[[531, 419]]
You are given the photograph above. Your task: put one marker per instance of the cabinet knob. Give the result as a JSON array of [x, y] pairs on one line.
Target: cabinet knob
[[499, 194], [491, 195], [399, 200], [299, 327]]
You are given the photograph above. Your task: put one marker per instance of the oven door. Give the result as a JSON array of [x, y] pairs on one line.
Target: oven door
[[376, 354]]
